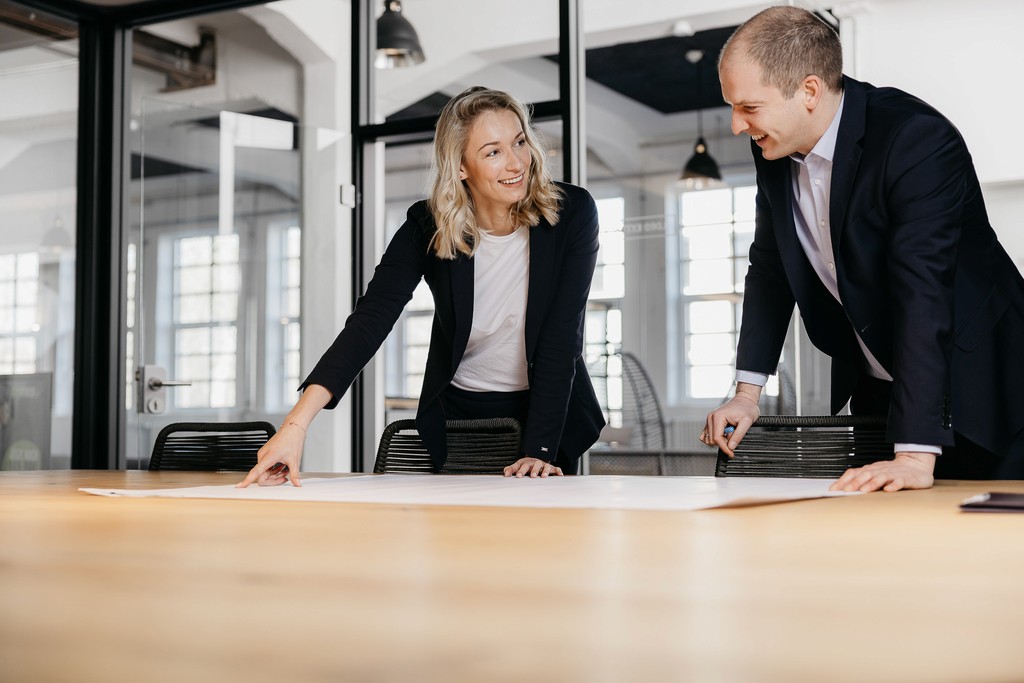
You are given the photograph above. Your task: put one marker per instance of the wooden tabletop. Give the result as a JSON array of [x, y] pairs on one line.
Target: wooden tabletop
[[881, 587]]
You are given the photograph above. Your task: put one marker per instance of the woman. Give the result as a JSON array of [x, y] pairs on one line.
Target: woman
[[508, 255]]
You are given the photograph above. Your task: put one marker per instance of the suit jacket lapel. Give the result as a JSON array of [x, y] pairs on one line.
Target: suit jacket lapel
[[846, 157]]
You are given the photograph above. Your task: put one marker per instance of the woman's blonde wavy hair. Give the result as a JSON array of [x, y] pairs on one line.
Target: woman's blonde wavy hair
[[450, 201]]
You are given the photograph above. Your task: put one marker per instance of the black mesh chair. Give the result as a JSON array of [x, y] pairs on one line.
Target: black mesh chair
[[801, 446], [209, 446], [474, 447]]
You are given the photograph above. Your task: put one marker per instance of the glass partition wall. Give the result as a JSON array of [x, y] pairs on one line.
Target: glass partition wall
[[237, 168], [38, 138], [270, 161]]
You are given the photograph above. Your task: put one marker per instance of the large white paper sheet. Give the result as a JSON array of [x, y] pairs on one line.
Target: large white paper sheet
[[599, 492]]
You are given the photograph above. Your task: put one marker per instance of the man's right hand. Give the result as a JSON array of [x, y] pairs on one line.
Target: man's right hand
[[740, 412]]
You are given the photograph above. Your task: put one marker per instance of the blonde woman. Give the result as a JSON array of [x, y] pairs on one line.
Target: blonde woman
[[508, 255]]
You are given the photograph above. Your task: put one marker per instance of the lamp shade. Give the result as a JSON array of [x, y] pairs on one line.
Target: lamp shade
[[397, 42], [701, 171]]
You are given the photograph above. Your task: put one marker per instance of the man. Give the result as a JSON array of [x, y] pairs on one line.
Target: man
[[870, 218]]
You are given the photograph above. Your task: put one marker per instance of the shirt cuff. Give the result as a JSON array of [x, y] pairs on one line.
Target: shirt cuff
[[916, 448], [747, 377]]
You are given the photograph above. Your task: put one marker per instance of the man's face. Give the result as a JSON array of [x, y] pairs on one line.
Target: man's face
[[779, 126]]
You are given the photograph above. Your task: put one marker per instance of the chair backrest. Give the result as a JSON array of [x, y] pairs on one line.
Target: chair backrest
[[640, 407], [474, 447], [209, 446], [642, 422], [801, 446]]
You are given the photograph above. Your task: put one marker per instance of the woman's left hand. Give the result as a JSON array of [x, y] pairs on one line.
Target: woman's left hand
[[532, 467]]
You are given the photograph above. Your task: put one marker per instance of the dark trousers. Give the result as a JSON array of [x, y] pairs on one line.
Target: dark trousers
[[964, 460], [479, 405]]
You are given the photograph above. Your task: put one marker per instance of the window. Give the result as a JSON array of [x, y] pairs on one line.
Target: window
[[283, 296], [717, 228], [206, 288], [19, 327], [603, 327], [415, 334]]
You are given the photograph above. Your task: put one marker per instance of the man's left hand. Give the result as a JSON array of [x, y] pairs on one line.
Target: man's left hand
[[906, 471]]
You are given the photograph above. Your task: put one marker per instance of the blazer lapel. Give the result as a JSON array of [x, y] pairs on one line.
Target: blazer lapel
[[542, 281], [847, 156], [462, 283]]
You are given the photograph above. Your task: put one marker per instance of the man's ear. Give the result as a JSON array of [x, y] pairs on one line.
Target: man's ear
[[811, 89]]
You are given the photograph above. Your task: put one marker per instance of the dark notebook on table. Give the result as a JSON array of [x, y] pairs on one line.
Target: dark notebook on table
[[994, 502]]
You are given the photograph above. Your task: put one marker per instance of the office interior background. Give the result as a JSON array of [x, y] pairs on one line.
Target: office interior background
[[198, 191]]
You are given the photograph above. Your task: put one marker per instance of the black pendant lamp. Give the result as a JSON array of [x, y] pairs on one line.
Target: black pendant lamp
[[701, 171], [397, 42]]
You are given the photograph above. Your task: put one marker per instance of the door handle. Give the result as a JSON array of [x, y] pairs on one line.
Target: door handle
[[153, 389], [157, 383]]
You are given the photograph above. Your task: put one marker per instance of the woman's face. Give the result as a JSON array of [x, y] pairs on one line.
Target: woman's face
[[495, 166]]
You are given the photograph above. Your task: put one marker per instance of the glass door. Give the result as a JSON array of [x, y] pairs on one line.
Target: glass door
[[213, 269]]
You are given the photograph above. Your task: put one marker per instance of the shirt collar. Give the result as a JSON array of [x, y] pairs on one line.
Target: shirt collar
[[825, 148]]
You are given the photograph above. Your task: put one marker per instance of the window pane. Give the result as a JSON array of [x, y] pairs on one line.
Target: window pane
[[225, 278], [194, 251], [225, 307], [224, 339], [194, 309], [613, 247], [421, 299], [744, 201], [226, 249], [708, 206], [609, 282], [707, 242], [417, 330], [223, 367], [194, 341], [416, 358], [194, 280], [711, 349], [709, 316], [708, 277], [710, 382]]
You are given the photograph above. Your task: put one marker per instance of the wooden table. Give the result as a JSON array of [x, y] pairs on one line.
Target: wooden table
[[882, 587]]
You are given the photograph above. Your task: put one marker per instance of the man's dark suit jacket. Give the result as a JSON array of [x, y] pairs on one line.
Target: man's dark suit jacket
[[562, 259], [921, 275]]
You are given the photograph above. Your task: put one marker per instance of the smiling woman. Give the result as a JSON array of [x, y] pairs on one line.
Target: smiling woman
[[494, 168], [508, 255]]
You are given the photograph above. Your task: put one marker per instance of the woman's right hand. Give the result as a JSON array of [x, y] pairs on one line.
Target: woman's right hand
[[278, 459]]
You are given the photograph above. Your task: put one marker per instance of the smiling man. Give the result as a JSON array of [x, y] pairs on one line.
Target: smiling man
[[870, 219]]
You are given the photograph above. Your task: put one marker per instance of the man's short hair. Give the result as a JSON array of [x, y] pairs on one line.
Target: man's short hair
[[789, 44]]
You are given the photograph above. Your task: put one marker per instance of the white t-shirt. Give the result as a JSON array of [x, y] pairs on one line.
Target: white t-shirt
[[495, 357]]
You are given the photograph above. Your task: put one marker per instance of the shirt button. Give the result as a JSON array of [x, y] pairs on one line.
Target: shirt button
[[821, 223], [817, 181], [831, 266]]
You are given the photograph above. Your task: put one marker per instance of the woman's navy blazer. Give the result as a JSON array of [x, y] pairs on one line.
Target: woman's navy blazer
[[564, 414]]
